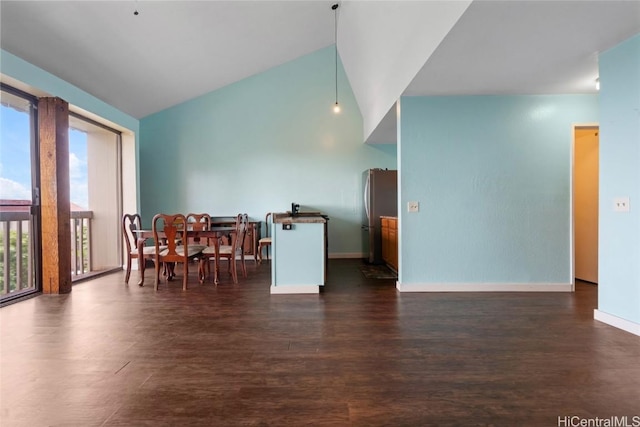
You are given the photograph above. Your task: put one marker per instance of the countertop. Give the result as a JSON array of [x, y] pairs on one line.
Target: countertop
[[301, 217]]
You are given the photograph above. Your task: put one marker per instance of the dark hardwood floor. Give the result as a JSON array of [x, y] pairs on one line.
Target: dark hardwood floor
[[358, 354]]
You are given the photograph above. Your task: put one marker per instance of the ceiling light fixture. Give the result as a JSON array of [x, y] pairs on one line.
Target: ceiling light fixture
[[336, 106]]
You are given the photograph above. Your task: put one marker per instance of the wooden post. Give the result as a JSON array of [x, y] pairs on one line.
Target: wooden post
[[53, 121]]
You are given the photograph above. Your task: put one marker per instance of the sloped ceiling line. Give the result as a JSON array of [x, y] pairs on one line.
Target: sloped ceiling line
[[383, 45]]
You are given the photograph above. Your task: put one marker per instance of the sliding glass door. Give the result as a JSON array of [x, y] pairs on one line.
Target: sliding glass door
[[96, 196], [19, 196]]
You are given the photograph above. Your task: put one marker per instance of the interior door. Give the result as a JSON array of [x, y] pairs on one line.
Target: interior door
[[585, 203]]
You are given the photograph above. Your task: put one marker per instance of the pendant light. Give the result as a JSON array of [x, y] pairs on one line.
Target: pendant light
[[336, 106]]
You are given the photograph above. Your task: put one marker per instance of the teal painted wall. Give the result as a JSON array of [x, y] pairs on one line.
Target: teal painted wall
[[492, 175], [38, 78], [258, 145], [619, 245]]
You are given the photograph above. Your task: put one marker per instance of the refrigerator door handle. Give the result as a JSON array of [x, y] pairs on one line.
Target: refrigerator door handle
[[366, 196]]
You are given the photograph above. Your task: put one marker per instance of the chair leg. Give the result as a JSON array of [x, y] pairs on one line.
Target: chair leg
[[157, 275], [234, 270], [201, 266], [215, 270], [244, 266], [126, 277], [185, 275], [170, 270], [260, 246]]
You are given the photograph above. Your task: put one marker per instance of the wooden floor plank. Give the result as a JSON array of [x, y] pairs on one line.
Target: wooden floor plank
[[357, 354]]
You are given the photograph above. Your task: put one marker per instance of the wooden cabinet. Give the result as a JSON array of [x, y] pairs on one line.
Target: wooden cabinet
[[250, 240], [390, 241], [385, 238]]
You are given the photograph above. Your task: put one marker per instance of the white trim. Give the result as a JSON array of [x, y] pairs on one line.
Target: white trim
[[484, 287], [346, 255], [617, 322], [295, 289]]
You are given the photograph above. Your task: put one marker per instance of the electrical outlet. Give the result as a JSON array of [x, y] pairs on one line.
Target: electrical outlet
[[413, 206], [621, 204]]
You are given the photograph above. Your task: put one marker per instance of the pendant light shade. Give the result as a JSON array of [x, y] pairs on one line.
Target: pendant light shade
[[336, 106]]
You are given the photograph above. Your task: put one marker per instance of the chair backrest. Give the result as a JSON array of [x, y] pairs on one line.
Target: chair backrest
[[171, 229], [267, 223], [244, 229], [198, 222], [131, 223], [237, 238]]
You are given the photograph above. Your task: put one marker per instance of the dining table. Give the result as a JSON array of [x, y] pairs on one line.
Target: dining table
[[212, 233]]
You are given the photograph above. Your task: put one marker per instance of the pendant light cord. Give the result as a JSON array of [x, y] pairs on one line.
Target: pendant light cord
[[335, 20]]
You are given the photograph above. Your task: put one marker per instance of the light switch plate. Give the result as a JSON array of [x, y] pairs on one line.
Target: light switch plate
[[413, 206], [621, 204]]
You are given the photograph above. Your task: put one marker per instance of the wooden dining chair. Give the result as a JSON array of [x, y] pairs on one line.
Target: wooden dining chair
[[173, 228], [199, 222], [231, 251], [265, 242], [130, 224]]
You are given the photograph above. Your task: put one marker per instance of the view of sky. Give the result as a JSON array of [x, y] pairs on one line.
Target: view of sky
[[15, 159]]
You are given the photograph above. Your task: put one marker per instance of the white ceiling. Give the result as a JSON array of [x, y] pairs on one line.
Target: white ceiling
[[170, 52], [176, 50], [521, 47], [526, 47]]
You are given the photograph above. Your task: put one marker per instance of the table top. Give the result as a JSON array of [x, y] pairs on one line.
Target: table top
[[210, 231]]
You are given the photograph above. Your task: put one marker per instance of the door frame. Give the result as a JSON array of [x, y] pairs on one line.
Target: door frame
[[572, 246], [35, 238]]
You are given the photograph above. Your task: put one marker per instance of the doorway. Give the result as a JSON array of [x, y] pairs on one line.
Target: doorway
[[585, 202]]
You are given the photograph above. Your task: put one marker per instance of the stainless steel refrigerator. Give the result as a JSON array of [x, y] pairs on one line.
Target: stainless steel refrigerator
[[380, 199]]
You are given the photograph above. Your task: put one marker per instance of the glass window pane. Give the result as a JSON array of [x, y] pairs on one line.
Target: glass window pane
[[15, 148], [17, 234]]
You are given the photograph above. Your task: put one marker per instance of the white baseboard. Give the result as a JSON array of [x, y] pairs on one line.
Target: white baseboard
[[346, 255], [295, 289], [484, 287], [617, 322]]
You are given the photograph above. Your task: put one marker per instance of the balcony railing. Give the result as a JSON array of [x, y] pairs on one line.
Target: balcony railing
[[17, 252], [17, 267], [80, 243]]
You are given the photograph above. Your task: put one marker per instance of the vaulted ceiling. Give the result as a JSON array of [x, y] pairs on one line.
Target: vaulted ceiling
[[172, 51]]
